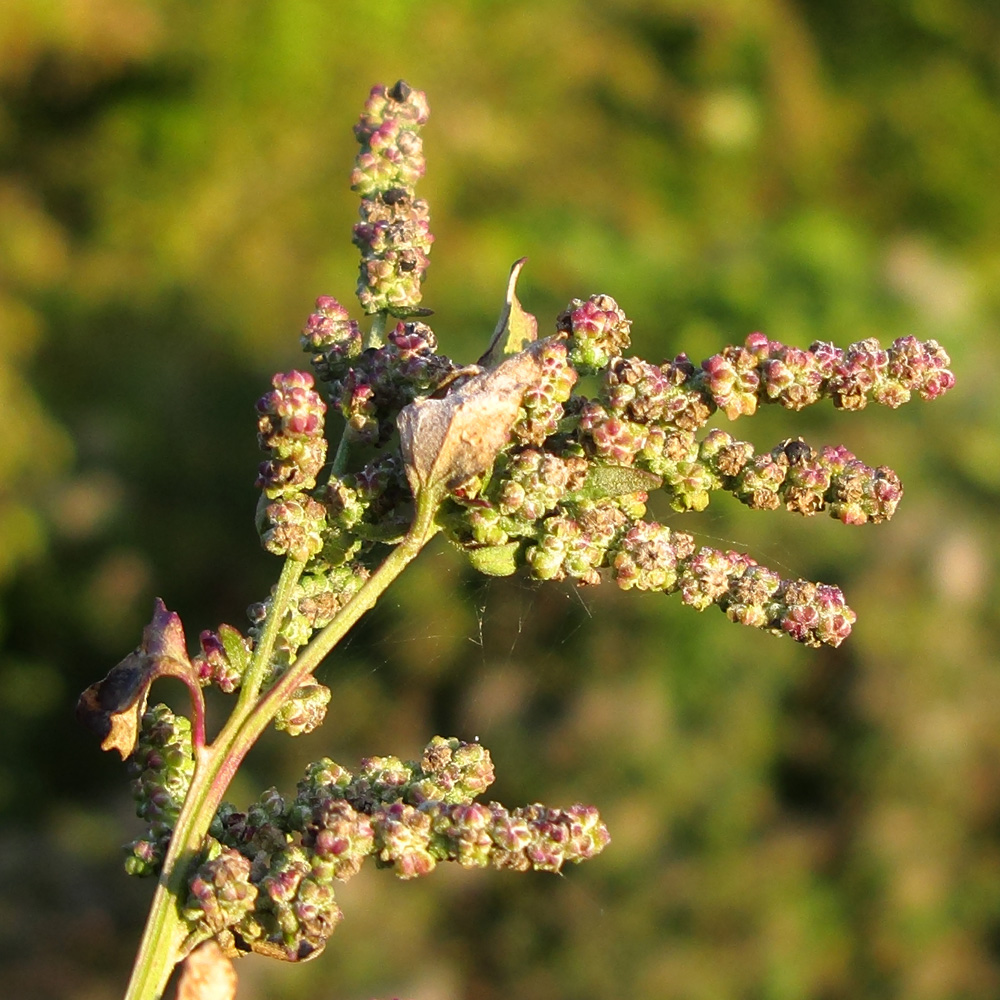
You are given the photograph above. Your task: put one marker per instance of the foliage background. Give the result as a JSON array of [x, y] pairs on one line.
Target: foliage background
[[787, 823]]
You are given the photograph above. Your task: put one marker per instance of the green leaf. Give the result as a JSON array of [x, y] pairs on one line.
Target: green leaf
[[494, 560], [235, 646], [614, 481], [515, 328]]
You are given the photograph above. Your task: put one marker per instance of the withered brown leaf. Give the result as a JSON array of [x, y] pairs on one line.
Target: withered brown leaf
[[112, 708], [445, 442]]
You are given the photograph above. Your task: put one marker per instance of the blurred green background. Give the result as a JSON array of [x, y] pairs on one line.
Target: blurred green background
[[786, 823]]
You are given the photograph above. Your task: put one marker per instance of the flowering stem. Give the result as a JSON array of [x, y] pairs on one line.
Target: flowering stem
[[261, 662], [165, 929], [420, 533]]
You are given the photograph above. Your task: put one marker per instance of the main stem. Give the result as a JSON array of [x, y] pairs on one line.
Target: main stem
[[165, 931]]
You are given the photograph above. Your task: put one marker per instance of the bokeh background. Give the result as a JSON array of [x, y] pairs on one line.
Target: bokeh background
[[787, 823]]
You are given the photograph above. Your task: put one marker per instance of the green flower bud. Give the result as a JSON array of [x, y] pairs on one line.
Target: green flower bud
[[296, 910], [304, 709], [381, 779], [598, 331], [340, 837], [294, 526], [545, 839], [461, 832]]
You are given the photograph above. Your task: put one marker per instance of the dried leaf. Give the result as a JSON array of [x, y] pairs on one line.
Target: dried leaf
[[207, 974], [112, 708], [445, 442]]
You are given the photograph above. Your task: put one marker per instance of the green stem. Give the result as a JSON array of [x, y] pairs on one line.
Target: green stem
[[264, 650], [376, 332], [165, 929], [420, 533], [339, 463]]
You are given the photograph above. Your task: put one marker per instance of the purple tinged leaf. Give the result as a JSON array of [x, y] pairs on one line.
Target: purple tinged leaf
[[112, 708]]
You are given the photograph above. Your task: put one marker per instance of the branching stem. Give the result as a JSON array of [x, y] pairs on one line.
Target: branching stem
[[166, 931]]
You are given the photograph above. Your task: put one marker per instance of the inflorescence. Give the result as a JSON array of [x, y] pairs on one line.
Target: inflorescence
[[265, 878], [525, 472], [566, 497]]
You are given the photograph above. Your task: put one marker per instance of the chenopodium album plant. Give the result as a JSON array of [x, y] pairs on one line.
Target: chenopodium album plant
[[518, 470]]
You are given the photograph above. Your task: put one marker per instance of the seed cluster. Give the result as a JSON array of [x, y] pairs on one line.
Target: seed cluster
[[265, 881]]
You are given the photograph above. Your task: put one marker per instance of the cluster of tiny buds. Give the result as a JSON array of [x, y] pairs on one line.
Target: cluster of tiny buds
[[650, 556], [738, 378], [304, 710], [161, 766], [215, 663], [542, 406], [792, 474], [294, 526], [539, 506], [290, 429], [768, 371], [265, 881], [598, 331], [393, 233], [385, 379], [331, 338], [388, 131]]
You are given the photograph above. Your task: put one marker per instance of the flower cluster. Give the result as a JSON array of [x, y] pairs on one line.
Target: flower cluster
[[766, 371], [566, 496], [385, 379], [598, 331], [265, 881], [393, 234], [331, 338], [542, 403], [290, 429], [223, 658], [650, 556], [564, 493], [161, 767]]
